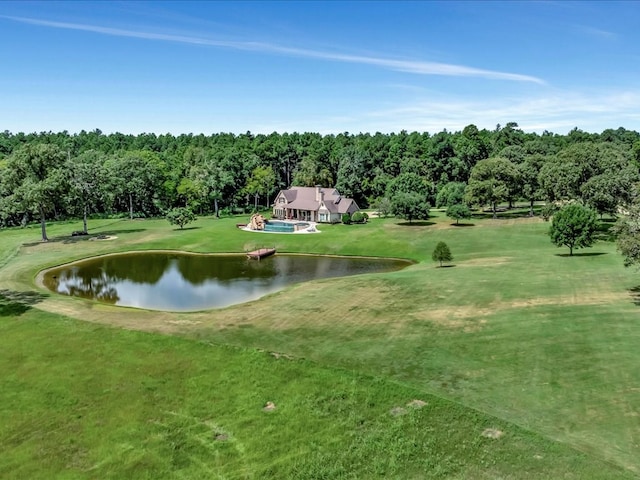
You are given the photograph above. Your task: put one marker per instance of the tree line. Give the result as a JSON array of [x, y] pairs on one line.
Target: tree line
[[61, 175]]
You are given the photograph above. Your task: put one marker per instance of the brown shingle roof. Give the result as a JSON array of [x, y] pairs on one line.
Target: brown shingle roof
[[304, 198]]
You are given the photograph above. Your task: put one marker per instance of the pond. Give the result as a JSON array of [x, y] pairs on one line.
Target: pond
[[175, 281]]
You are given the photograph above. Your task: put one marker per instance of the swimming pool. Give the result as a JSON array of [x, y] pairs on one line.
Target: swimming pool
[[284, 227]]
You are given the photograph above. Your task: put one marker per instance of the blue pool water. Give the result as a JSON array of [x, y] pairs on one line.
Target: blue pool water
[[284, 227]]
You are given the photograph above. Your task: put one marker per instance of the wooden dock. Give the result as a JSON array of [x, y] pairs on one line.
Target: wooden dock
[[261, 253]]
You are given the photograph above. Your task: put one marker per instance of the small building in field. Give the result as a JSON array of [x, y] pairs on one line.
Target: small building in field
[[312, 204]]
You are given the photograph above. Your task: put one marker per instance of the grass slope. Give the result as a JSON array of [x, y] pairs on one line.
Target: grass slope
[[86, 401], [515, 337]]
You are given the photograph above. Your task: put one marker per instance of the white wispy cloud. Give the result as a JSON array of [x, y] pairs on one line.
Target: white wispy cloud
[[557, 113], [596, 32], [410, 66]]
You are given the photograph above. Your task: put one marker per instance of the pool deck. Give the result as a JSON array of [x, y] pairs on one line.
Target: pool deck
[[312, 228]]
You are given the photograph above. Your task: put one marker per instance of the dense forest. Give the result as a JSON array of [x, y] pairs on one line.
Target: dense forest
[[61, 175]]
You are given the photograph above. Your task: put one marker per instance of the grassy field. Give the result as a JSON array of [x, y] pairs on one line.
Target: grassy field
[[516, 339]]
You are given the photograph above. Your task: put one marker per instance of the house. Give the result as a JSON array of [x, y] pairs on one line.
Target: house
[[314, 204]]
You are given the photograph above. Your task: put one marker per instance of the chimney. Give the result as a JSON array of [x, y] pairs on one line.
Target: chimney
[[318, 194]]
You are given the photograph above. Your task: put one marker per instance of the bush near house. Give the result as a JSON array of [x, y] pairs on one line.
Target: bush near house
[[359, 217]]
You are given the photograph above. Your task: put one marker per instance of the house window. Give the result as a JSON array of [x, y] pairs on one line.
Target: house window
[[281, 200]]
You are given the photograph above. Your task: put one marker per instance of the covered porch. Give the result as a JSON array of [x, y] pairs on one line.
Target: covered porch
[[296, 214]]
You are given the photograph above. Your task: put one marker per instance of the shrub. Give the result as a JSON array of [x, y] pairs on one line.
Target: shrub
[[180, 216], [359, 217], [346, 219]]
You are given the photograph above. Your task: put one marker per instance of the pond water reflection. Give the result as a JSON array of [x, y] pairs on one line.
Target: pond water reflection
[[189, 282]]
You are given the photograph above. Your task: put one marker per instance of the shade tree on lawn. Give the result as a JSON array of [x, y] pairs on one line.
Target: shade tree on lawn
[[88, 182], [529, 183], [409, 206], [408, 194], [441, 253], [573, 226], [564, 176], [627, 231], [458, 212], [450, 194], [33, 180], [492, 181], [180, 216]]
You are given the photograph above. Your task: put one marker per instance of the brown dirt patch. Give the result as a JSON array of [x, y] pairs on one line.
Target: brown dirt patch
[[492, 433], [485, 262], [278, 356], [416, 403], [101, 238], [471, 319], [397, 411], [467, 318]]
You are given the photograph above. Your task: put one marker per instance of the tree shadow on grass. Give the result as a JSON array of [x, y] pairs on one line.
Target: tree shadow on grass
[[503, 214], [604, 232], [185, 229], [68, 239], [583, 254], [461, 225], [445, 266], [418, 223], [635, 295], [14, 303]]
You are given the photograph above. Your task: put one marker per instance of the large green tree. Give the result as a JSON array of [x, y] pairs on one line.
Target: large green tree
[[573, 226], [138, 175], [351, 173], [492, 181], [409, 206], [529, 184], [218, 180], [408, 194], [458, 212], [262, 182], [450, 194], [563, 177], [471, 147], [34, 180], [627, 231], [88, 184]]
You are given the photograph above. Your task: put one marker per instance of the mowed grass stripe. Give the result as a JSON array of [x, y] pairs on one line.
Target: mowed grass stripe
[[85, 401]]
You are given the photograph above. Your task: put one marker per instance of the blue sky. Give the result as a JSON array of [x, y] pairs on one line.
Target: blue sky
[[327, 67]]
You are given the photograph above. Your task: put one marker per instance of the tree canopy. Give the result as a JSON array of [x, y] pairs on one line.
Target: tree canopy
[[34, 180], [492, 181], [146, 175], [573, 226], [441, 253], [458, 212]]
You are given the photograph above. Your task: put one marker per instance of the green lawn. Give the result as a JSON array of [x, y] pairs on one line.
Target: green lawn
[[516, 337]]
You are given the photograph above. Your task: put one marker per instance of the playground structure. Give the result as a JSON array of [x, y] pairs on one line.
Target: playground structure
[[257, 222]]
